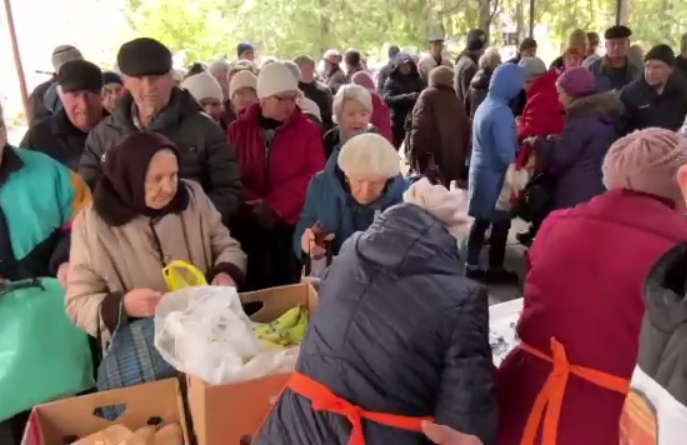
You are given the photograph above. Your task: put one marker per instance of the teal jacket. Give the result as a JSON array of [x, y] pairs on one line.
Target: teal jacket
[[329, 202], [39, 198]]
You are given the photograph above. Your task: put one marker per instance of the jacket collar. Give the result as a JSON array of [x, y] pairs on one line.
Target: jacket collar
[[11, 163]]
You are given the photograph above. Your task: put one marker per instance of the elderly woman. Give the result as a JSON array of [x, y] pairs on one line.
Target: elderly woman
[[236, 68], [396, 284], [208, 93], [359, 181], [242, 93], [381, 113], [480, 82], [142, 219], [352, 113]]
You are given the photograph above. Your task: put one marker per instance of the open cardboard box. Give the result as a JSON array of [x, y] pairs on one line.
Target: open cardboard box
[[223, 414], [64, 421]]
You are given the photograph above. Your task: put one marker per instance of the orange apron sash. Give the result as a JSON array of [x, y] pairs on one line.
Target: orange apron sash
[[324, 400], [547, 406]]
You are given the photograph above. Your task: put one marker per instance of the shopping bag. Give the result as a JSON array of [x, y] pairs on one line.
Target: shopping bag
[[503, 319], [180, 274], [43, 356]]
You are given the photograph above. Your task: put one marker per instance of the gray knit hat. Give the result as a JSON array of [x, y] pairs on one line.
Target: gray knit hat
[[533, 67], [63, 54]]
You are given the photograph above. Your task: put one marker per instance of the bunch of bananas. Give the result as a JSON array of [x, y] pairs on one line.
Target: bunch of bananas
[[287, 330]]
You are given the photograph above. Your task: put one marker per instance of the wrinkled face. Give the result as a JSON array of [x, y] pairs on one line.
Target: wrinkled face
[[281, 106], [354, 118], [435, 48], [248, 55], [212, 107], [161, 180], [563, 97], [617, 47], [150, 92], [244, 98], [112, 93], [572, 61], [84, 108], [366, 190], [656, 72], [529, 52]]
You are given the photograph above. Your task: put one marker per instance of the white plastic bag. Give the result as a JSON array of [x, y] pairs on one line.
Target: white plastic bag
[[503, 338], [514, 183], [204, 332]]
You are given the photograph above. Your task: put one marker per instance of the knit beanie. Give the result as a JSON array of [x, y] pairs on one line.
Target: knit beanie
[[646, 161], [203, 86], [449, 207], [63, 54], [363, 79], [242, 79], [532, 67], [274, 79], [664, 53], [577, 82]]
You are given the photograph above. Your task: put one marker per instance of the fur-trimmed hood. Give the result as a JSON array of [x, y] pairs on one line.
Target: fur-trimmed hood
[[602, 105]]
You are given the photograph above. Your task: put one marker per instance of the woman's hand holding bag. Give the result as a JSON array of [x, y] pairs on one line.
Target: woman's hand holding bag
[[140, 303]]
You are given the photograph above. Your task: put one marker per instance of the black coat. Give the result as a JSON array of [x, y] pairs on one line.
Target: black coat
[[322, 96], [398, 331], [400, 93], [645, 107], [37, 110]]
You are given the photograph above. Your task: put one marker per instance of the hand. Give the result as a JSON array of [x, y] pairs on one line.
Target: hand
[[443, 435], [141, 302], [223, 279], [309, 244], [63, 274]]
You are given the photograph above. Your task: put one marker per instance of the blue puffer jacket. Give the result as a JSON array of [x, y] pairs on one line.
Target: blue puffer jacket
[[398, 331], [330, 203], [494, 140]]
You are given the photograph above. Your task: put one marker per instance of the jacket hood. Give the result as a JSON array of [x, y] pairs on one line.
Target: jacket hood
[[409, 240], [507, 82], [180, 105], [481, 79], [400, 60], [665, 290], [606, 105]]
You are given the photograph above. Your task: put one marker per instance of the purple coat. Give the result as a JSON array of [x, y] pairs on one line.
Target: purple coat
[[576, 157]]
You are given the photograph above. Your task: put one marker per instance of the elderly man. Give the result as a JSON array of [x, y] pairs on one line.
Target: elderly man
[[156, 104], [62, 136], [614, 70], [315, 90]]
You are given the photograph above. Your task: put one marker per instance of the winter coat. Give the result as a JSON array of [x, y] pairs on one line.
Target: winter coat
[[608, 78], [322, 96], [401, 93], [277, 168], [39, 198], [37, 111], [205, 155], [397, 331], [465, 69], [543, 114], [477, 92], [681, 65], [381, 117], [576, 157], [331, 141], [645, 107], [583, 288], [336, 79], [329, 202], [427, 63], [107, 262], [58, 138], [441, 128], [493, 143], [383, 75]]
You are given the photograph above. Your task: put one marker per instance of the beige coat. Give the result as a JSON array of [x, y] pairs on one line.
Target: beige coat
[[107, 260]]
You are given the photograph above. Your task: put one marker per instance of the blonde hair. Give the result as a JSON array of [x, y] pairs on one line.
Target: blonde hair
[[578, 39], [369, 156], [490, 59], [354, 93]]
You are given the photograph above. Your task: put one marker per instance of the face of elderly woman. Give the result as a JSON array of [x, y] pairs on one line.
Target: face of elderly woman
[[354, 118], [366, 190], [161, 180]]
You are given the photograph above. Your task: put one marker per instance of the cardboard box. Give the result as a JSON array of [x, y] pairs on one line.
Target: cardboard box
[[223, 414], [58, 423]]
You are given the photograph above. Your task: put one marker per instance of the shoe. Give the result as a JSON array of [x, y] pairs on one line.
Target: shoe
[[475, 273], [501, 276], [525, 238]]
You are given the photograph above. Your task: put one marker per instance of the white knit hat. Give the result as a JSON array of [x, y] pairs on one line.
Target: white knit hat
[[63, 54], [203, 86], [369, 155], [449, 207], [242, 79], [275, 79], [310, 107]]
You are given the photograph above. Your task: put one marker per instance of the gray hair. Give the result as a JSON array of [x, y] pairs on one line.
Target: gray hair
[[354, 93], [369, 156], [490, 59]]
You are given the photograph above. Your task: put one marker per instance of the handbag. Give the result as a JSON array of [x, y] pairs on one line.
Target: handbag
[[43, 356], [536, 198]]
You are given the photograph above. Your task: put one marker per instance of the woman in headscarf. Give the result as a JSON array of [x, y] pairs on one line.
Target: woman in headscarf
[[583, 305], [143, 217], [352, 112], [399, 336], [360, 180]]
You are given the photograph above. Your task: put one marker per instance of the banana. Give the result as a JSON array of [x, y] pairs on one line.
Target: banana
[[287, 330]]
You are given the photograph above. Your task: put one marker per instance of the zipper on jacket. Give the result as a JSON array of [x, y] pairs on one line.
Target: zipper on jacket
[[266, 163]]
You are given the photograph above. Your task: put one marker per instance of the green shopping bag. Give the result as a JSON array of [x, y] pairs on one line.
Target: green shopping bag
[[43, 356]]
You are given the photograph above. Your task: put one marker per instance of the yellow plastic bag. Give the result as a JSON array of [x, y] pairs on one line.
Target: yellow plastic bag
[[180, 274]]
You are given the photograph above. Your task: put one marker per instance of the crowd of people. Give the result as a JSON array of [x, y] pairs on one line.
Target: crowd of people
[[251, 171]]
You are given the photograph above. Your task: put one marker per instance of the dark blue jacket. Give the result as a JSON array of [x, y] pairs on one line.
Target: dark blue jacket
[[397, 330], [329, 202]]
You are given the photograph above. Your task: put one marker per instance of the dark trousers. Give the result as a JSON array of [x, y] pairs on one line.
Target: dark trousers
[[497, 242]]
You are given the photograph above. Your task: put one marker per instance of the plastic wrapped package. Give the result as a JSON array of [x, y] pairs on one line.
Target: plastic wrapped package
[[203, 331], [503, 319]]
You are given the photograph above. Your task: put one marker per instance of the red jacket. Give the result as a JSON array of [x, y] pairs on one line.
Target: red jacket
[[381, 117], [584, 285], [296, 154], [543, 114]]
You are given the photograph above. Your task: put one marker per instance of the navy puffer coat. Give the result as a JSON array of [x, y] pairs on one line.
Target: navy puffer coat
[[398, 331]]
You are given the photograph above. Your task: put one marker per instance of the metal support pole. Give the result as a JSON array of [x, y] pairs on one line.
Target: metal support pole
[[532, 3], [17, 56], [618, 11]]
